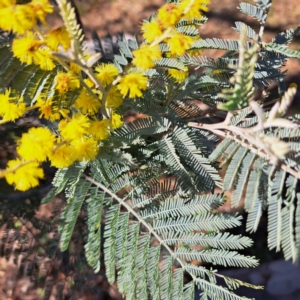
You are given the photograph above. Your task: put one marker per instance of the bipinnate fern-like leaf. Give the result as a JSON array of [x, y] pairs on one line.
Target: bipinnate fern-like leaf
[[9, 69], [141, 127], [175, 166], [259, 203], [198, 163], [63, 177], [170, 63], [215, 43], [216, 257], [221, 63], [288, 242], [266, 67], [234, 165], [254, 183], [94, 206], [265, 188], [142, 271], [219, 150], [71, 212], [242, 176], [216, 240], [25, 77], [141, 267], [182, 208], [205, 222], [188, 30], [250, 32], [4, 40], [274, 212], [282, 49], [285, 37], [194, 83], [254, 11], [186, 111]]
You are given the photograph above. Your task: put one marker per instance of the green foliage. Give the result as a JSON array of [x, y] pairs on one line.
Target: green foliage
[[153, 185], [267, 188], [243, 90]]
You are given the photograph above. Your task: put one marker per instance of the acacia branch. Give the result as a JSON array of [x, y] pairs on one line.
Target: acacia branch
[[219, 129]]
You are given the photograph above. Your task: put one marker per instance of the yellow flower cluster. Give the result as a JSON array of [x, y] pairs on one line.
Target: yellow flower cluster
[[77, 139], [47, 109], [29, 50], [23, 175], [133, 84], [79, 133], [84, 124], [56, 37], [106, 73], [10, 107], [30, 46], [163, 29], [170, 13], [180, 76], [20, 18], [130, 84], [152, 30], [66, 81], [145, 56], [193, 9]]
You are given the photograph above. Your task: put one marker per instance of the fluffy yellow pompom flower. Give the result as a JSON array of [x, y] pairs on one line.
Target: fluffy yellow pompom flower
[[106, 73], [10, 109], [58, 36], [40, 9], [101, 129], [179, 43], [46, 62], [63, 156], [7, 3], [16, 18], [47, 110], [193, 9], [74, 128], [36, 144], [133, 83], [116, 121], [145, 56], [28, 50], [114, 98], [23, 175], [75, 68], [87, 103], [66, 81], [89, 82], [169, 14], [152, 30], [180, 76], [85, 148]]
